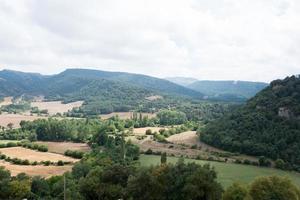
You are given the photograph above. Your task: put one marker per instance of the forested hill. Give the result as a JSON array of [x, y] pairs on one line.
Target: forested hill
[[143, 81], [17, 83], [102, 92], [228, 90], [268, 125]]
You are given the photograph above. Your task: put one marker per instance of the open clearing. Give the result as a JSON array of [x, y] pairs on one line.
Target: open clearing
[[189, 138], [31, 155], [125, 115], [142, 131], [61, 147], [15, 119], [6, 101], [38, 170], [228, 172], [55, 107]]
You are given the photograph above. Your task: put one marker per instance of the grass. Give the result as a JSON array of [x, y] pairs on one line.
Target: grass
[[229, 172]]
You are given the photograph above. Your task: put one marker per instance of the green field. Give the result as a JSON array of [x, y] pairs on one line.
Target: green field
[[229, 172]]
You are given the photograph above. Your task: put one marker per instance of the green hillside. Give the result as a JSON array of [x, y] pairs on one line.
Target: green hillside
[[102, 92], [268, 125]]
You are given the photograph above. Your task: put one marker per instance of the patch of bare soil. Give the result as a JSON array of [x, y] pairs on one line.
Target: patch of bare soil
[[61, 147], [153, 98], [31, 155], [6, 101], [55, 107], [38, 170]]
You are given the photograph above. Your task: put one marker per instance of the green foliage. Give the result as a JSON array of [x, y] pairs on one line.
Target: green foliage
[[274, 188], [74, 154], [236, 192], [268, 125], [169, 117]]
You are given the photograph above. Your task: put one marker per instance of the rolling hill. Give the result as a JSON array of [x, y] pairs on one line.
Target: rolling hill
[[268, 125], [102, 91]]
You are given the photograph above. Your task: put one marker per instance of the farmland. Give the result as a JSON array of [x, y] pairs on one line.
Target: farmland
[[228, 172], [61, 147], [38, 170], [55, 107], [15, 119], [31, 155]]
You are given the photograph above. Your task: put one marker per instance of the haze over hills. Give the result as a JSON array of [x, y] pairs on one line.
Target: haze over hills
[[184, 81], [268, 125], [221, 90]]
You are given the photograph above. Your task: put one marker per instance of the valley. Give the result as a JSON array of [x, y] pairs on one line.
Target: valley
[[99, 125]]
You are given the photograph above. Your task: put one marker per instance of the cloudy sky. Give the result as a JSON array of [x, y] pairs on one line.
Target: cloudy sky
[[206, 39]]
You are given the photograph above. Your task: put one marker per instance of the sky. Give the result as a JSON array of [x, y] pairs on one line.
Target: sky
[[255, 40]]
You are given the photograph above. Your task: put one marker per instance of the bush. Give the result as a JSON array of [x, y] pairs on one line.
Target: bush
[[42, 148], [148, 132], [74, 154], [11, 144], [247, 162], [280, 164], [60, 163]]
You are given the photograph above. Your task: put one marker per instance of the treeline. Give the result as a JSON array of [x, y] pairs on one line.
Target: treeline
[[268, 125], [81, 130]]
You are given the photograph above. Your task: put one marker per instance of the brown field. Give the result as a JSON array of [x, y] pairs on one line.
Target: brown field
[[16, 119], [54, 107], [61, 147], [189, 138], [38, 170], [31, 155], [125, 115], [6, 101], [142, 131]]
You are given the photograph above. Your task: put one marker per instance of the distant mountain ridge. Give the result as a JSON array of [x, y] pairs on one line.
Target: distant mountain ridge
[[102, 91], [230, 89], [221, 90]]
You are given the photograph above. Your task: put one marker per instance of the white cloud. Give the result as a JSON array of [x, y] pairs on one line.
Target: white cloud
[[215, 39]]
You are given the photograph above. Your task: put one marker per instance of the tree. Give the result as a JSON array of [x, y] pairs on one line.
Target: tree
[[40, 187], [163, 158], [280, 164], [274, 188], [236, 192]]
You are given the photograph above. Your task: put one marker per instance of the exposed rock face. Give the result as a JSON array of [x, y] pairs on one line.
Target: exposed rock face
[[285, 112]]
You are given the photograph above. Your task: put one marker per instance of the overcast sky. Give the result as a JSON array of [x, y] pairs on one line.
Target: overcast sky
[[205, 39]]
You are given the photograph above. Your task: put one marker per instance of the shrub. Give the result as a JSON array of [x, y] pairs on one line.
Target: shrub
[[11, 144], [148, 132], [42, 148], [247, 162], [149, 152], [60, 163], [74, 154]]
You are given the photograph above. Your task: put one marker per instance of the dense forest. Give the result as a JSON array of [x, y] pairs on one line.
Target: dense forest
[[268, 125]]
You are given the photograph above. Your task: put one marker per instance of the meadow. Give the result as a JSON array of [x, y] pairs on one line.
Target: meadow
[[228, 173]]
